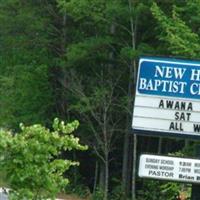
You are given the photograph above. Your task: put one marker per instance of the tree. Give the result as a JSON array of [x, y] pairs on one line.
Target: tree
[[95, 106], [103, 56], [180, 35], [178, 32], [31, 160], [91, 54], [25, 90]]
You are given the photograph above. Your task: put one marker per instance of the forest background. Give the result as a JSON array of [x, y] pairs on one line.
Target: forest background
[[77, 59]]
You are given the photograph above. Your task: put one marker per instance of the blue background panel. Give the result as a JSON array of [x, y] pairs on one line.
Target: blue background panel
[[171, 84]]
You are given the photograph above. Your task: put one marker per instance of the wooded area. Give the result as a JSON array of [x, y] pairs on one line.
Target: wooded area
[[77, 59]]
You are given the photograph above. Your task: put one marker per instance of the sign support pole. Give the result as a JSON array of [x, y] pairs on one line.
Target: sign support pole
[[195, 187]]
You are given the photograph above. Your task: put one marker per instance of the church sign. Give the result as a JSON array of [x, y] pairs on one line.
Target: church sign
[[167, 100]]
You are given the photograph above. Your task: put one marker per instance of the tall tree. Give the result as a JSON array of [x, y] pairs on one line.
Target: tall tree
[[180, 35], [94, 55], [178, 30], [105, 46], [25, 89]]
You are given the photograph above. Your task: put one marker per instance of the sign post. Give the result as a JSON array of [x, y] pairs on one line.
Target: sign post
[[195, 188]]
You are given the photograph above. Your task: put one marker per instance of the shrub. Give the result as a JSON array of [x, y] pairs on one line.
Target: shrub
[[31, 160]]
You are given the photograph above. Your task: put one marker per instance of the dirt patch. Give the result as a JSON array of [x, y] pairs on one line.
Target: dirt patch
[[70, 197]]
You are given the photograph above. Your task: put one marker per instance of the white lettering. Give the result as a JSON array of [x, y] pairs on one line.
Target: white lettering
[[195, 75], [169, 72], [142, 84], [183, 85], [194, 89], [157, 84], [150, 85], [159, 71], [179, 72]]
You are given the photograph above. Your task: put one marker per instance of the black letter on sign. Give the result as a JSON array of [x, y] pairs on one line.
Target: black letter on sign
[[196, 127], [171, 127], [161, 104]]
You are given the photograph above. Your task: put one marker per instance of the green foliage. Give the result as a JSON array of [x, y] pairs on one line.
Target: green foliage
[[176, 33], [80, 190], [191, 149], [150, 191], [31, 159], [27, 97], [97, 10], [23, 39], [89, 50], [25, 90], [117, 193], [98, 194], [157, 190], [170, 189], [129, 53]]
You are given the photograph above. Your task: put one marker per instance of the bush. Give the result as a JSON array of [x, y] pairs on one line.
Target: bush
[[159, 190], [31, 160]]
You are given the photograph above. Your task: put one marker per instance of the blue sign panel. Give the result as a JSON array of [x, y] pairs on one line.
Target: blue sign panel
[[175, 78]]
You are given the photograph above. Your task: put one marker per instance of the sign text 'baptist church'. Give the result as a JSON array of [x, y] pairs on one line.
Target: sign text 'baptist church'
[[168, 97]]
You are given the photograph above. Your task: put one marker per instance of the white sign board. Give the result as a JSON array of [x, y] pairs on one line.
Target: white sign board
[[169, 168], [167, 97]]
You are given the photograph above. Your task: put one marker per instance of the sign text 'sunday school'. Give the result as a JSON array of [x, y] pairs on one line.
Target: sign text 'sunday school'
[[169, 168]]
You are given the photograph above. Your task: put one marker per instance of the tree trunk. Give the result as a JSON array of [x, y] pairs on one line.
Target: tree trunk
[[125, 163], [126, 150], [106, 152], [160, 141], [133, 189], [195, 187], [102, 177], [106, 177], [75, 170], [187, 143], [134, 166], [133, 26], [96, 176]]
